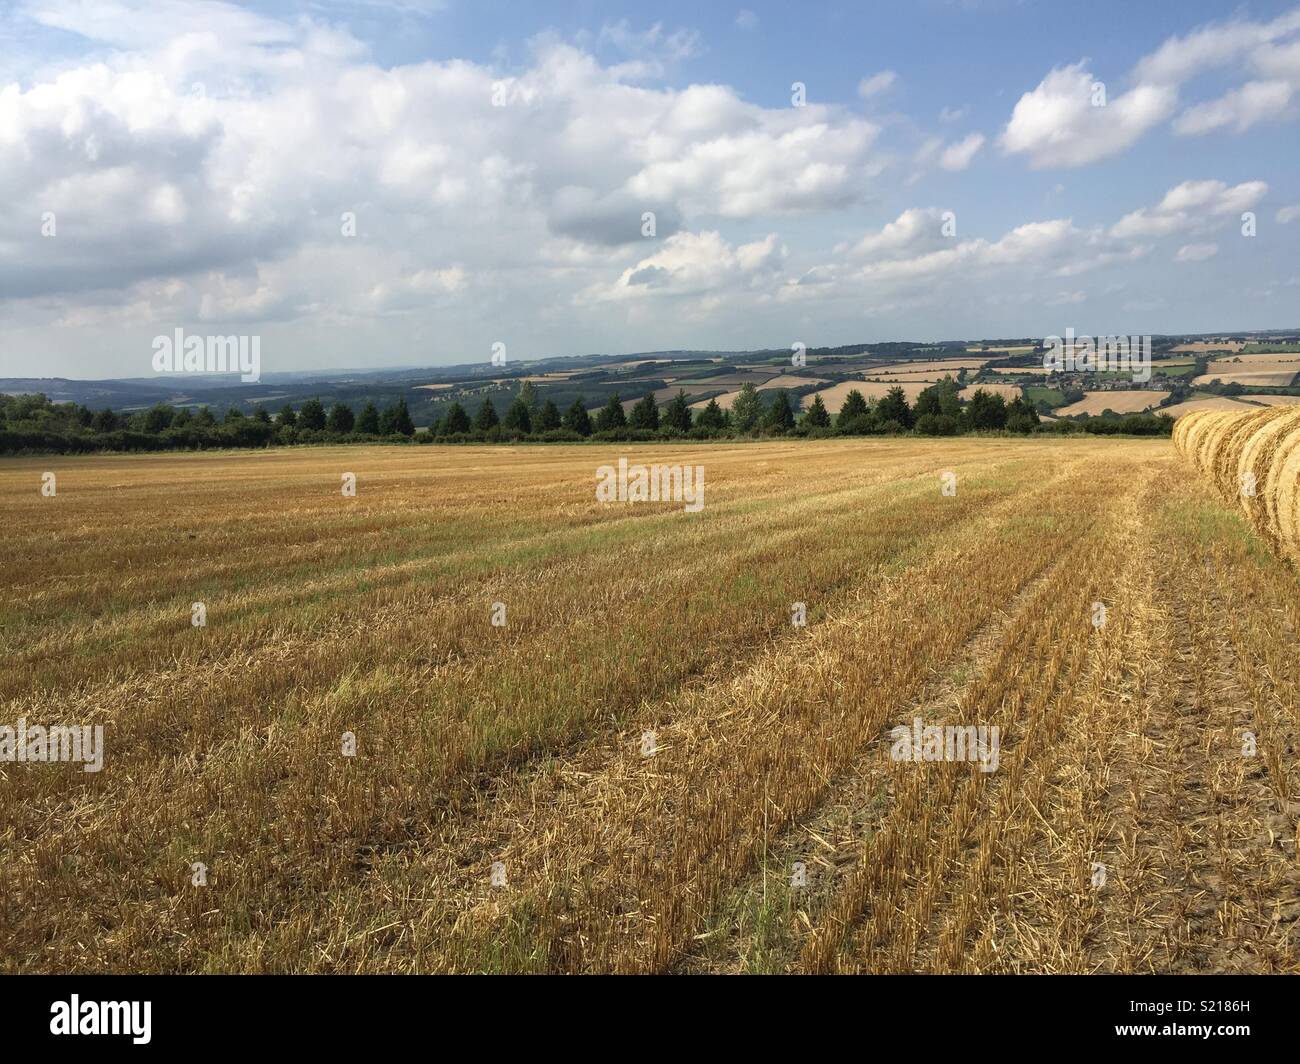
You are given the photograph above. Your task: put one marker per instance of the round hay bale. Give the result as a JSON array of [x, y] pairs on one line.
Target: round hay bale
[[1253, 468], [1283, 488], [1230, 447]]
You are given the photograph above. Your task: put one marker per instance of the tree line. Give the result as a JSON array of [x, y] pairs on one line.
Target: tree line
[[33, 423]]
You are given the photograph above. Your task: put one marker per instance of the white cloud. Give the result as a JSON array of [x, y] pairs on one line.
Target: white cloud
[[1058, 124], [916, 229], [1287, 215], [876, 84], [746, 19], [696, 264], [1193, 205], [162, 181], [1034, 242], [1218, 44], [712, 154], [1239, 108], [957, 156], [1196, 252]]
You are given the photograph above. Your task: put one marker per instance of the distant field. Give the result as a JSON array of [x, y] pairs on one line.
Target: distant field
[[786, 380], [1202, 348], [1053, 396], [1260, 370], [1122, 402], [835, 395], [646, 751], [924, 376], [941, 366], [1217, 402], [724, 401], [1255, 349], [1007, 391]]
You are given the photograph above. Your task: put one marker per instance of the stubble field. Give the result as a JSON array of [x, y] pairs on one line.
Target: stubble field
[[648, 767]]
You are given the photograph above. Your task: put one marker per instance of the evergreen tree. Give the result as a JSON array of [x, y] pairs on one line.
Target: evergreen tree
[[677, 415], [486, 418], [645, 414], [711, 417], [368, 422], [549, 418], [528, 395], [312, 415], [816, 416], [779, 417], [853, 413], [259, 414], [456, 421], [611, 415], [893, 407], [402, 422], [388, 421], [941, 398], [341, 418], [985, 411], [746, 409], [1021, 417], [576, 418], [517, 418], [287, 416], [203, 418]]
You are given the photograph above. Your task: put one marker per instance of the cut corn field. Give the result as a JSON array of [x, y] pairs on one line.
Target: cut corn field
[[476, 719]]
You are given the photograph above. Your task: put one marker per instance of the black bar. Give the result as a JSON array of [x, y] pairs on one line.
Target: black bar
[[208, 1014]]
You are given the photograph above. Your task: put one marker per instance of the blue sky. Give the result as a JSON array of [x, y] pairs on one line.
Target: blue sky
[[954, 174]]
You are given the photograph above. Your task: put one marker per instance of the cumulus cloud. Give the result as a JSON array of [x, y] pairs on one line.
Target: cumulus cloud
[[1238, 109], [957, 156], [1287, 215], [908, 256], [916, 229], [1215, 45], [697, 264], [1193, 205], [1034, 242], [210, 165], [1058, 123], [1062, 124]]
